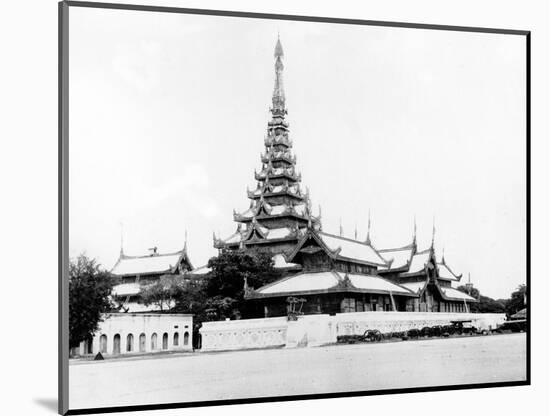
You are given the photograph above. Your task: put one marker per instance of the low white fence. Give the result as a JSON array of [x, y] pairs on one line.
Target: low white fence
[[243, 334], [356, 323], [314, 330]]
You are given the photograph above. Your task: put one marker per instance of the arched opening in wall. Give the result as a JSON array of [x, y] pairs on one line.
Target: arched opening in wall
[[116, 344], [154, 341], [130, 343], [176, 339], [89, 346], [103, 344], [142, 343], [186, 338], [165, 341]]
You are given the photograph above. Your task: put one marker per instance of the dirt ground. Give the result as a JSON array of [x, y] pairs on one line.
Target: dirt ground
[[265, 373]]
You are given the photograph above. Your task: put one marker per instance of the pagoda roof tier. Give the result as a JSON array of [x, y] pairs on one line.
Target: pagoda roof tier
[[278, 112], [444, 272], [280, 262], [311, 283], [452, 294], [342, 248], [419, 262], [399, 258], [262, 209], [276, 190], [278, 120], [150, 264], [416, 287], [126, 289], [408, 262], [281, 139], [257, 233], [275, 156], [269, 172]]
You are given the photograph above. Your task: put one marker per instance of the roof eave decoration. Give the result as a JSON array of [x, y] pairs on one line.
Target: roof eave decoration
[[451, 299], [310, 233], [344, 283], [182, 257], [456, 276], [257, 295], [334, 254]]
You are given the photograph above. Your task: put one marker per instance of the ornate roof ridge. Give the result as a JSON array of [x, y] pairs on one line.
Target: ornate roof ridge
[[423, 251], [146, 256], [407, 247], [377, 276], [458, 276]]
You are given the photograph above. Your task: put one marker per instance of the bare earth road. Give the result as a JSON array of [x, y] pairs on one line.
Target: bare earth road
[[340, 368]]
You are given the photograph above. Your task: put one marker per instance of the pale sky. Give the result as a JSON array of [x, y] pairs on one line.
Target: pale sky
[[168, 114]]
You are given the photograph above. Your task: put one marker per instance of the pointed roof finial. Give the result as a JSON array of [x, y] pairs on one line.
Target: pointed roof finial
[[185, 242], [341, 228], [414, 230], [433, 232], [355, 231], [278, 47], [121, 239], [443, 255], [278, 98], [368, 231]]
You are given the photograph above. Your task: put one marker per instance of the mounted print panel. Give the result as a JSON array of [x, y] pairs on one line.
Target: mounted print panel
[[260, 207]]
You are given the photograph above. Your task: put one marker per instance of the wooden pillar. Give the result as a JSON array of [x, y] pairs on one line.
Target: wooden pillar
[[392, 302]]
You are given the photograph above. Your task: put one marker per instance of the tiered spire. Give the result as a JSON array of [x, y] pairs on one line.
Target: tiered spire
[[278, 206]]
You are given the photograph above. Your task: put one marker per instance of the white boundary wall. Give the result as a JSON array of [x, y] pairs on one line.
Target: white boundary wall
[[314, 330], [356, 323], [243, 334], [142, 327]]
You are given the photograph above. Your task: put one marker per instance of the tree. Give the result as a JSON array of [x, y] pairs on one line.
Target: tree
[[488, 305], [485, 304], [224, 285], [191, 298], [472, 291], [89, 297], [163, 293], [517, 300]]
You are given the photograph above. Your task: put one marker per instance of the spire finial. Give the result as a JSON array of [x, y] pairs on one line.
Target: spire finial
[[355, 231], [433, 232], [121, 239], [185, 243], [341, 229], [368, 231], [443, 255], [278, 99], [278, 47], [414, 230]]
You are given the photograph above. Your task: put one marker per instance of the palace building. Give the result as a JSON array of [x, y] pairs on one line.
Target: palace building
[[134, 272], [327, 273]]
